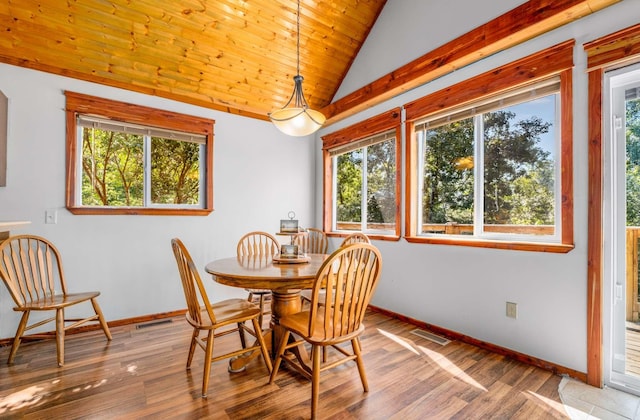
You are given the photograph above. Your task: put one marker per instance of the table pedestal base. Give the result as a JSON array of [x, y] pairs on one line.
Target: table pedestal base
[[283, 303]]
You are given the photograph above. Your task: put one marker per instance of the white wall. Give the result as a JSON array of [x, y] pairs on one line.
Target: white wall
[[465, 289], [129, 258], [417, 26]]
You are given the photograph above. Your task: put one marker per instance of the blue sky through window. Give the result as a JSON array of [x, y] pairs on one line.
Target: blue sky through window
[[543, 108]]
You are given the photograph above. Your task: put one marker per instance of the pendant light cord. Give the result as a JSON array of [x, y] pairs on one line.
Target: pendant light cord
[[298, 35]]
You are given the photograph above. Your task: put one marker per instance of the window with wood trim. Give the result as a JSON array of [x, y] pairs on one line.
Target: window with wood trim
[[129, 159], [362, 178], [489, 159]]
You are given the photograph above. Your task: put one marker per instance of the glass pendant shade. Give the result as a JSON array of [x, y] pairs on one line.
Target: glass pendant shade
[[297, 121]]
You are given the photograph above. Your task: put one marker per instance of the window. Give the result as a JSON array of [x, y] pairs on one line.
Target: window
[[363, 163], [490, 162], [498, 158], [127, 159]]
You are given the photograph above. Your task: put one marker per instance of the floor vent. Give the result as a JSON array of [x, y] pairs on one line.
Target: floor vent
[[431, 337], [154, 323]]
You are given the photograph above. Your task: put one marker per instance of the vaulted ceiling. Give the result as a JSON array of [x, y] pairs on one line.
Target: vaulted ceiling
[[238, 56]]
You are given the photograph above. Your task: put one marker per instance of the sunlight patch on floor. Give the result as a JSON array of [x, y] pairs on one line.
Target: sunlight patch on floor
[[24, 398], [451, 367], [39, 394], [542, 400], [438, 359], [404, 343]]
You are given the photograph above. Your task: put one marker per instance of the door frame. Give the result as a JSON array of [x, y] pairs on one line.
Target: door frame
[[604, 54], [618, 243]]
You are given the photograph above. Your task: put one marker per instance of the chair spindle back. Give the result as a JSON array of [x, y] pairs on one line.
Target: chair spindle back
[[355, 238], [194, 291], [314, 241], [258, 244], [31, 268], [349, 278]]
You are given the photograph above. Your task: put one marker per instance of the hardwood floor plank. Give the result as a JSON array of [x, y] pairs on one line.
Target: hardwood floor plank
[[142, 374]]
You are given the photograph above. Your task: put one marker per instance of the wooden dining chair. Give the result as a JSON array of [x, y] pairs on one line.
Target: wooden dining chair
[[350, 276], [354, 238], [31, 269], [312, 241], [208, 317], [258, 244]]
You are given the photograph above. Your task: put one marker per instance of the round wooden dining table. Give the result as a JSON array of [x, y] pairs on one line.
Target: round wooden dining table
[[284, 278]]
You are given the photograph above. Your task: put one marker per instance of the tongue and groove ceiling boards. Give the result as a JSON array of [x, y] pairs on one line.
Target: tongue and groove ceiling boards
[[239, 56]]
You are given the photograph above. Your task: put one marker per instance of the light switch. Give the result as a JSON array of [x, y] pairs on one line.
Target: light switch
[[51, 216]]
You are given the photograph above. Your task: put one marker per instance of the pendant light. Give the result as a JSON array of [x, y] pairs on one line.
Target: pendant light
[[296, 118]]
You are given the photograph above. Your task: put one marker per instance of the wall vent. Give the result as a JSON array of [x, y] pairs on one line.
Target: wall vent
[[431, 337]]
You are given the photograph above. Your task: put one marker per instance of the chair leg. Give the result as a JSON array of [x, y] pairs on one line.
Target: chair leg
[[261, 304], [18, 338], [355, 343], [315, 379], [103, 321], [243, 340], [263, 345], [192, 347], [60, 335], [279, 353], [207, 364]]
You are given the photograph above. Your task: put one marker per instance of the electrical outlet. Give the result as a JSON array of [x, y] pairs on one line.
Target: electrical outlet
[[512, 310], [51, 216]]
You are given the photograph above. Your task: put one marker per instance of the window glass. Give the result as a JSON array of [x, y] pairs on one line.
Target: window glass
[[493, 173], [381, 184], [348, 198], [519, 168], [365, 180], [113, 169], [175, 172], [447, 180]]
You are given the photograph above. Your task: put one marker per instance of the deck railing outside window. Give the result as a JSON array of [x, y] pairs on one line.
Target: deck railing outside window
[[633, 305]]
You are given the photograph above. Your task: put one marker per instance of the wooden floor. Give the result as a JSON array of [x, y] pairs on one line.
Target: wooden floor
[[141, 374]]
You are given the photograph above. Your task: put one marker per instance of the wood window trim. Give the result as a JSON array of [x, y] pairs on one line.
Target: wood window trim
[[556, 60], [603, 54], [77, 103], [374, 125]]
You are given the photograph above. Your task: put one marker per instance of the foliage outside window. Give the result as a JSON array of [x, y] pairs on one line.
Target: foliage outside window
[[632, 119], [365, 197], [489, 163], [136, 160], [363, 164], [492, 173]]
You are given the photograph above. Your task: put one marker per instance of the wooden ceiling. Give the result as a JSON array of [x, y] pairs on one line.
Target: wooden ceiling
[[237, 56]]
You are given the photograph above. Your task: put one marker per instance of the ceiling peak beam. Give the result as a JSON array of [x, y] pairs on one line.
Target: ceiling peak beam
[[518, 25]]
